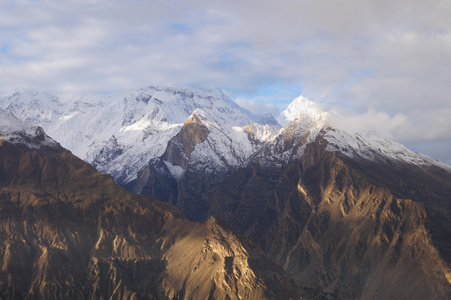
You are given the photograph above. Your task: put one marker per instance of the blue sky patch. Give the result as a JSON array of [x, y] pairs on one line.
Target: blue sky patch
[[180, 28]]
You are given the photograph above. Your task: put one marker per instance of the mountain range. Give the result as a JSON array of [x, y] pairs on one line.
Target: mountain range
[[69, 232], [350, 214], [118, 134]]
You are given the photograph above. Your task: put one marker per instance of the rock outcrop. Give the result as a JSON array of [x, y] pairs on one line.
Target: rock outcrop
[[358, 230]]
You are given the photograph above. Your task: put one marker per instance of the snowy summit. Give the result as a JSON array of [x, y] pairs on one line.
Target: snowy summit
[[16, 131], [303, 107]]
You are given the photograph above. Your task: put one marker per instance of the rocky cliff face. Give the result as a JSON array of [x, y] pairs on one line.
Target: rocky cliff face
[[343, 227], [360, 226], [69, 232]]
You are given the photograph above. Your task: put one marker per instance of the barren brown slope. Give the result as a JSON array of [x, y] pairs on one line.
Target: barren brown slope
[[356, 229], [68, 232]]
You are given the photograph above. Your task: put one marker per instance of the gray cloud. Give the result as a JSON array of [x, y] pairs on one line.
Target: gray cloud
[[387, 62]]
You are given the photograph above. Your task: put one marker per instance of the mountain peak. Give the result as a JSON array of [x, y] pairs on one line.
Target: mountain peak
[[193, 119], [17, 131], [301, 106]]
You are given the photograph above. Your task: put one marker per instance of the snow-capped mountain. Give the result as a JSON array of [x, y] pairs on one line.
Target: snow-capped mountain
[[306, 121], [16, 131], [309, 117], [303, 108], [119, 134]]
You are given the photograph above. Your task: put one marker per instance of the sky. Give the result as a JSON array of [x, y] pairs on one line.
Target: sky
[[379, 65]]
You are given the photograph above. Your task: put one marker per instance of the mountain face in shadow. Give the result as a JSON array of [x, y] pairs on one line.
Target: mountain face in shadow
[[69, 232]]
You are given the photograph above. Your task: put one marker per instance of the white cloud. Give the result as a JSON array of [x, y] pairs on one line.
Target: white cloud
[[423, 131], [257, 107]]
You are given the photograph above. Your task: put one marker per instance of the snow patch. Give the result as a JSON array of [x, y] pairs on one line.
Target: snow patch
[[69, 116], [176, 171]]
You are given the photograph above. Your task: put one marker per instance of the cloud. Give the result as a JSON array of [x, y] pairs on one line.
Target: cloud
[[257, 107], [379, 59], [234, 45], [423, 131]]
